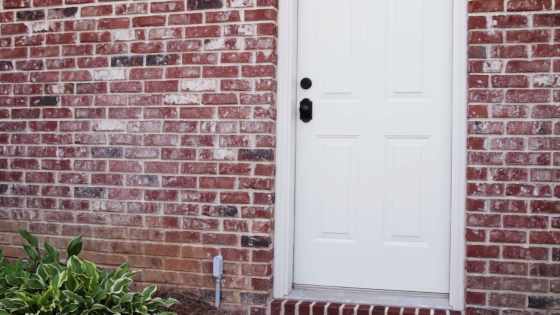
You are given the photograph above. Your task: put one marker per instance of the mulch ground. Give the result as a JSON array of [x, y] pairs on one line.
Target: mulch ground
[[190, 304]]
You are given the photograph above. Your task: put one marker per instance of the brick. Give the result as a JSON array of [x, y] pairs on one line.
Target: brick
[[161, 167], [220, 239], [531, 127], [180, 126], [202, 31], [130, 87], [127, 61], [183, 72], [510, 111], [168, 6], [528, 36], [485, 6], [183, 45], [486, 96], [29, 40], [520, 5], [240, 30], [235, 197], [125, 166], [99, 10], [546, 20], [507, 300], [544, 237], [507, 236], [545, 50], [546, 111], [543, 143], [221, 44], [509, 174], [501, 81], [220, 99], [518, 158], [261, 43], [477, 52], [201, 224], [204, 4], [178, 154], [131, 8], [260, 15], [220, 71], [222, 16], [483, 251], [510, 21], [198, 196], [142, 74], [519, 66], [152, 20], [527, 96], [185, 19], [110, 49], [11, 29], [170, 59]]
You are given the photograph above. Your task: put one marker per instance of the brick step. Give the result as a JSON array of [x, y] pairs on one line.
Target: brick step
[[298, 307]]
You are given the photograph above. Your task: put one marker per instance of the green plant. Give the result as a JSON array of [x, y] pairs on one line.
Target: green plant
[[43, 286]]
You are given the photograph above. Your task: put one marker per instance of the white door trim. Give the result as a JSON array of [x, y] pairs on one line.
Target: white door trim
[[285, 152]]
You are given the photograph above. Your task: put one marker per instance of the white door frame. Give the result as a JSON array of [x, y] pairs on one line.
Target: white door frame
[[285, 152]]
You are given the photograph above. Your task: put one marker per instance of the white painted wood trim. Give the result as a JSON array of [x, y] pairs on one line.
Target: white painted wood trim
[[285, 149], [459, 158], [285, 152]]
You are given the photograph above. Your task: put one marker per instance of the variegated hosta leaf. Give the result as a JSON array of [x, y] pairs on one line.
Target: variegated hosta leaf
[[32, 240], [31, 253], [147, 292], [121, 271], [72, 283], [100, 295], [35, 284], [75, 246], [52, 255], [126, 298], [71, 296]]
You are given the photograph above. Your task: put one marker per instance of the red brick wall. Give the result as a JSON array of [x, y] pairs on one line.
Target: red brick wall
[[513, 256], [147, 126]]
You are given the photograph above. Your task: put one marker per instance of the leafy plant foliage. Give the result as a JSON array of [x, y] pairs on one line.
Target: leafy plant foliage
[[43, 286]]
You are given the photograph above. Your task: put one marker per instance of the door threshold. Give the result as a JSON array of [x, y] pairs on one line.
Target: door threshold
[[369, 296]]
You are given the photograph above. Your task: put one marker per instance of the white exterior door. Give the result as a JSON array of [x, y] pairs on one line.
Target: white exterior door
[[373, 166]]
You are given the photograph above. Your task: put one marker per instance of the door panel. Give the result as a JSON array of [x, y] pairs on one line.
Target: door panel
[[336, 193], [373, 167]]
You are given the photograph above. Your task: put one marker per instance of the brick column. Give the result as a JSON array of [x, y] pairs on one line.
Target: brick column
[[513, 206]]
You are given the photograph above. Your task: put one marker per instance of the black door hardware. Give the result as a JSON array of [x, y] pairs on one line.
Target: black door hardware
[[306, 110], [306, 83]]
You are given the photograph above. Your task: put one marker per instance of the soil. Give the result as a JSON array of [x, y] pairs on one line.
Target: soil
[[190, 304]]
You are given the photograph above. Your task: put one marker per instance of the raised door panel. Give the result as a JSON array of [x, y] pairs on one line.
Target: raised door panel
[[337, 56], [336, 180], [406, 170]]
